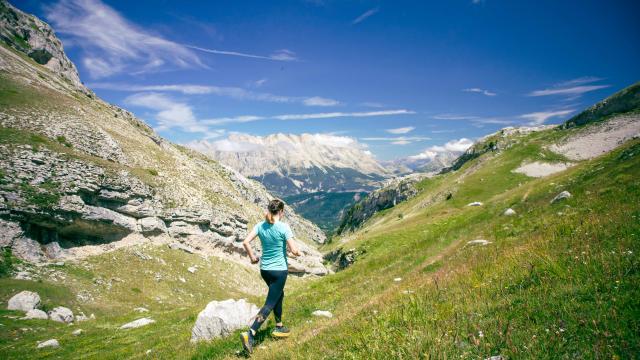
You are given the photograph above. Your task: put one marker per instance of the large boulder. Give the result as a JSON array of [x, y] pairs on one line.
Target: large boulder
[[152, 225], [36, 314], [61, 314], [220, 318], [24, 301], [52, 343]]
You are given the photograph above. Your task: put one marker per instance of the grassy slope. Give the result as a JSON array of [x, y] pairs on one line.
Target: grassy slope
[[557, 281]]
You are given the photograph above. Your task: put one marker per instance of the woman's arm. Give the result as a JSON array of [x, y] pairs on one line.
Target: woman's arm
[[247, 246], [293, 247]]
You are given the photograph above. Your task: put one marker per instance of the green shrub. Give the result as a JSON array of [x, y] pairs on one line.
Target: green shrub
[[6, 263], [63, 140]]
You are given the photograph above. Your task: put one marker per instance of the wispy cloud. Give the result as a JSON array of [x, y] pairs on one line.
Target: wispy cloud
[[365, 15], [232, 92], [539, 118], [170, 114], [279, 55], [453, 117], [401, 130], [480, 91], [571, 89], [329, 115], [111, 44], [454, 146], [400, 140], [320, 101]]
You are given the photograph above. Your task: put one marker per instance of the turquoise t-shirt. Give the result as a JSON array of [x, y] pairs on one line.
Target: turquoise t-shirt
[[273, 238]]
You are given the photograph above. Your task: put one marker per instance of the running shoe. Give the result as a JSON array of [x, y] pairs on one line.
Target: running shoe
[[247, 341], [281, 332]]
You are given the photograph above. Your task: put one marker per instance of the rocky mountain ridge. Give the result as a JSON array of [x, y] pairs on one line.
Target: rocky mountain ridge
[[289, 164]]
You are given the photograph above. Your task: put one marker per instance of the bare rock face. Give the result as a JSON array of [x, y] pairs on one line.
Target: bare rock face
[[24, 301], [36, 314], [220, 318], [30, 35], [393, 192]]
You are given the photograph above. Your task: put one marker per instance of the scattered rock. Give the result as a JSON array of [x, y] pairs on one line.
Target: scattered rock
[[53, 343], [142, 255], [141, 310], [220, 318], [61, 314], [509, 212], [137, 323], [77, 332], [183, 247], [192, 269], [397, 279], [23, 275], [322, 313], [475, 203], [563, 195], [24, 301], [182, 279], [36, 314], [83, 317], [495, 357], [478, 242]]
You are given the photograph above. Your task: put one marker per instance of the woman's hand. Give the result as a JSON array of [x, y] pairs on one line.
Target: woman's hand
[[254, 259], [293, 247]]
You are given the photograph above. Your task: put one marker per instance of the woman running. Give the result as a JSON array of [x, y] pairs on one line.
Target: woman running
[[275, 237]]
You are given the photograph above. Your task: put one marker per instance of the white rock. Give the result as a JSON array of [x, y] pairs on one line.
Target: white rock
[[49, 343], [495, 357], [152, 225], [509, 212], [191, 269], [36, 314], [81, 317], [322, 313], [563, 195], [475, 203], [141, 309], [24, 300], [183, 247], [479, 242], [61, 314], [182, 279], [137, 323], [220, 318], [397, 279], [77, 332]]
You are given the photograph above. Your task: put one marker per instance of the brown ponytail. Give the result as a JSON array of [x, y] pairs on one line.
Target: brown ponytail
[[275, 206]]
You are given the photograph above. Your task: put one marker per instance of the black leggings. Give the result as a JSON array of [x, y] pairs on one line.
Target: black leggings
[[275, 280]]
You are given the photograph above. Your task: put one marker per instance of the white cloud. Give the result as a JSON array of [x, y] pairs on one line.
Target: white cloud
[[279, 55], [571, 89], [454, 146], [400, 140], [539, 118], [453, 117], [248, 118], [342, 114], [402, 130], [239, 142], [480, 91], [111, 44], [171, 114], [259, 83], [365, 15], [320, 101], [232, 92]]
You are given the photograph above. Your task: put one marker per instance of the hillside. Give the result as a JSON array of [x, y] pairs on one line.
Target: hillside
[[437, 278]]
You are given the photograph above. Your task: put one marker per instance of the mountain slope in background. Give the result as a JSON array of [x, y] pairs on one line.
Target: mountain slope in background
[[79, 176], [293, 164]]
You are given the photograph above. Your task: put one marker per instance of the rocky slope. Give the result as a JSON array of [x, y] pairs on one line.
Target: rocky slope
[[293, 164], [77, 171]]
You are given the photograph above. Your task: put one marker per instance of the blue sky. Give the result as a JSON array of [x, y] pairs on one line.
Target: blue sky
[[398, 76]]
